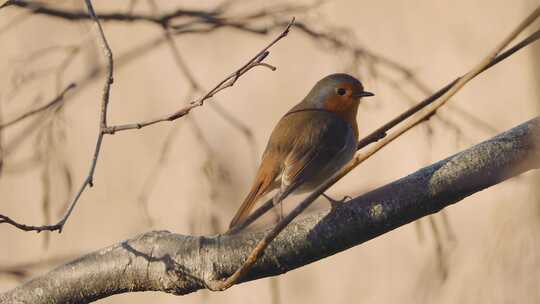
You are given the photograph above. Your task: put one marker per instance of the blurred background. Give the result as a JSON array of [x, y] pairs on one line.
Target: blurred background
[[190, 175]]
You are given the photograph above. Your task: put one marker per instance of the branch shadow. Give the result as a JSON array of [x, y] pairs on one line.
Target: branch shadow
[[182, 275]]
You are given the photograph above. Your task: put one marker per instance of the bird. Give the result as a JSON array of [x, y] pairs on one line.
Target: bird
[[310, 143]]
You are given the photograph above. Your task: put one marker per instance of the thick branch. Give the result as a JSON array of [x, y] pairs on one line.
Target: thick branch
[[178, 264]]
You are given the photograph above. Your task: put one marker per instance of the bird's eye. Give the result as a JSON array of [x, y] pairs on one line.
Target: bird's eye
[[341, 91]]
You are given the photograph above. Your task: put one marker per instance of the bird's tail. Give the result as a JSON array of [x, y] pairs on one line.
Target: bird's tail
[[247, 205], [264, 183]]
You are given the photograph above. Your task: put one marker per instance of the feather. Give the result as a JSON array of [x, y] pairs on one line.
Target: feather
[[264, 183]]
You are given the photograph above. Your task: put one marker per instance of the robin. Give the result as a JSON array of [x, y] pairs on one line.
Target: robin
[[310, 143]]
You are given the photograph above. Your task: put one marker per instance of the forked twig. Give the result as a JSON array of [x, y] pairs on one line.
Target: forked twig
[[227, 82], [421, 115], [103, 125]]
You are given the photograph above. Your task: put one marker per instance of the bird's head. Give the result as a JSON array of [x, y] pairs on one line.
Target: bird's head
[[337, 93]]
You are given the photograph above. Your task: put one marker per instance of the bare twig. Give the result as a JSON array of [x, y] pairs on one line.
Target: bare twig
[[421, 115], [106, 91], [476, 121], [229, 81], [103, 125], [381, 132], [441, 118]]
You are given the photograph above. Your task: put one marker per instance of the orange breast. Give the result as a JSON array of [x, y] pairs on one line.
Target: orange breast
[[345, 108]]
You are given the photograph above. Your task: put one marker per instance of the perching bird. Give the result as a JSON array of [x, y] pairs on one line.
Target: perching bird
[[310, 143]]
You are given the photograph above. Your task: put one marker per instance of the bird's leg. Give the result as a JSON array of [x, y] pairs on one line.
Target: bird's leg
[[335, 203], [277, 200]]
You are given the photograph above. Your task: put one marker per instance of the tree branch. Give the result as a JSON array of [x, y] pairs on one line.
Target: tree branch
[[178, 264]]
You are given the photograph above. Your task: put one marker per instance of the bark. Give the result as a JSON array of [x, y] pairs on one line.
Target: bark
[[180, 264]]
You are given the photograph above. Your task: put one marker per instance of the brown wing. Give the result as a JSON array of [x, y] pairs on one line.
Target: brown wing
[[315, 151]]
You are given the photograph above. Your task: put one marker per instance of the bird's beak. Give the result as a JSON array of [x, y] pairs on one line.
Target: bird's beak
[[365, 94]]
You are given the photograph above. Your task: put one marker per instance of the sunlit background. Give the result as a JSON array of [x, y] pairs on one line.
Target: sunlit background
[[190, 175]]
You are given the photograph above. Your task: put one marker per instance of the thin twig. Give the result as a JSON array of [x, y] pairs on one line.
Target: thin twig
[[229, 81], [445, 121], [476, 121], [103, 125], [106, 91], [381, 132], [421, 116]]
